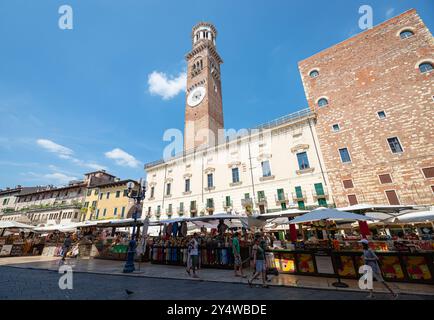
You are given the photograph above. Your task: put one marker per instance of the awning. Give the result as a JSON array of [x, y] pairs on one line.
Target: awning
[[329, 214], [392, 210], [14, 224], [217, 216], [58, 227], [284, 213], [415, 217]]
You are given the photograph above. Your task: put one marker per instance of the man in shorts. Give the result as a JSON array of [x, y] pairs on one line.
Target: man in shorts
[[193, 248], [238, 263], [259, 262]]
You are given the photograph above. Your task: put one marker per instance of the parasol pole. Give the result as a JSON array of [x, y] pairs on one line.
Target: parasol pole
[[339, 283]]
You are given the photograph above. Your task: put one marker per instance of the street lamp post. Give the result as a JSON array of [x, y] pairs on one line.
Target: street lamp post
[[129, 265]]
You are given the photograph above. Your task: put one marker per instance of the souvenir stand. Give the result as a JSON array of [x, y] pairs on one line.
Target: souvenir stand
[[110, 242], [215, 246], [16, 239]]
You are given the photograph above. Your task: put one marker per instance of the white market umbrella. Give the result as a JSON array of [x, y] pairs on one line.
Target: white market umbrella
[[58, 227], [329, 214], [210, 224], [217, 216], [14, 224], [284, 213], [416, 217]]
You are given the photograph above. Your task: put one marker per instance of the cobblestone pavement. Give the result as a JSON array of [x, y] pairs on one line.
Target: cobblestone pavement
[[17, 283]]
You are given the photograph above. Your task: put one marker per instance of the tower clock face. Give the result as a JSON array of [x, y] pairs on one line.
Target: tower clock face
[[196, 96]]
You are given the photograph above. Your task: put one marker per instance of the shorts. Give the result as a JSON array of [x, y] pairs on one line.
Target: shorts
[[260, 266], [237, 261], [194, 261]]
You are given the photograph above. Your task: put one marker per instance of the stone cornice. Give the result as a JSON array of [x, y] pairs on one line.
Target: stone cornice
[[203, 46]]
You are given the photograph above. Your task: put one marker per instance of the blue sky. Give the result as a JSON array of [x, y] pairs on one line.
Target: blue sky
[[72, 101]]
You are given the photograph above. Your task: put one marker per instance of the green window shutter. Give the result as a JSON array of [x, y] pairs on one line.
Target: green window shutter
[[280, 194], [319, 189], [301, 205], [299, 192], [228, 201], [322, 202]]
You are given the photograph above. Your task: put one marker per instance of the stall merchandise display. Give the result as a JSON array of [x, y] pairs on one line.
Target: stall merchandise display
[[214, 252], [395, 266]]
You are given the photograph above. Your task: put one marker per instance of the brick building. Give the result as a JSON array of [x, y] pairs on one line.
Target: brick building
[[373, 96]]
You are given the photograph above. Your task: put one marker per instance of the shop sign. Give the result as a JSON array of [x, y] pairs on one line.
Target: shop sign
[[324, 264], [6, 250]]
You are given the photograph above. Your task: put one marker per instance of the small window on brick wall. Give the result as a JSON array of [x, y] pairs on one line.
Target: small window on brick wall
[[348, 184], [392, 197], [352, 199], [428, 172], [385, 178], [432, 189]]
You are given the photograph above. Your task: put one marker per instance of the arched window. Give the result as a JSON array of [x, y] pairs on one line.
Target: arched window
[[323, 102], [425, 67], [406, 34], [314, 74]]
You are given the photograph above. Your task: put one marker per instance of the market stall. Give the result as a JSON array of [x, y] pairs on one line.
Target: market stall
[[17, 239], [215, 246], [340, 255]]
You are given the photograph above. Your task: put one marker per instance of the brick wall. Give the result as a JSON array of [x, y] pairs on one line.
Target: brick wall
[[376, 70]]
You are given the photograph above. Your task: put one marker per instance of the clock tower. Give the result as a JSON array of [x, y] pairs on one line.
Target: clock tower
[[203, 110]]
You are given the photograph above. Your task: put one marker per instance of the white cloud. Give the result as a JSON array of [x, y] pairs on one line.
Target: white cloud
[[122, 158], [62, 151], [90, 165], [166, 86], [67, 153], [390, 12], [51, 178], [59, 177]]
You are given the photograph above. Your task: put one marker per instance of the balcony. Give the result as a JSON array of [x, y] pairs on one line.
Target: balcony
[[320, 195], [299, 196], [261, 200], [169, 212], [247, 202], [281, 198], [266, 178], [304, 171], [227, 204], [180, 211]]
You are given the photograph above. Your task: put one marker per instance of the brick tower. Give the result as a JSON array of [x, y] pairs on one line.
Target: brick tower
[[203, 108]]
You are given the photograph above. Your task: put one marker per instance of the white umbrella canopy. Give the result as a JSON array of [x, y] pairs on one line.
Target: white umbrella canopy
[[14, 224], [216, 217], [329, 214], [284, 213], [210, 224], [415, 217], [392, 210], [57, 227]]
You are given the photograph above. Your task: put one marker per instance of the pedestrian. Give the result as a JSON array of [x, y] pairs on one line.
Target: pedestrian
[[238, 263], [193, 256], [371, 259], [259, 262], [264, 245], [66, 245]]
